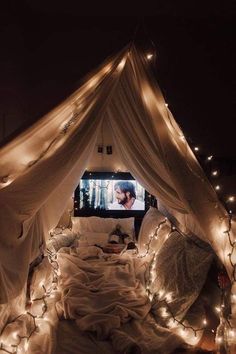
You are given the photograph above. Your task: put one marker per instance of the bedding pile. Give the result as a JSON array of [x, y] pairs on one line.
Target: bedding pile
[[106, 296], [101, 298]]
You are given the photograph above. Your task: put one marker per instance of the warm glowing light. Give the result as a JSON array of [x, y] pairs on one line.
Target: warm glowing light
[[15, 335], [182, 332], [106, 69], [231, 333], [171, 323], [166, 104], [209, 158], [217, 187], [164, 312], [168, 297], [219, 340], [231, 199], [204, 322], [233, 297], [149, 56], [196, 148], [217, 308], [214, 173], [121, 64], [92, 82]]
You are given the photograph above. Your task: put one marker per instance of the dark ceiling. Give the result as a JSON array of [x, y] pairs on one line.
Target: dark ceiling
[[46, 48]]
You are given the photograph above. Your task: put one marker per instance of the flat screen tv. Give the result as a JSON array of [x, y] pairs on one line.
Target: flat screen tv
[[110, 193]]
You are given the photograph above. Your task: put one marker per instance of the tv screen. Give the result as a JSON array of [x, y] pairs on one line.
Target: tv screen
[[111, 194]]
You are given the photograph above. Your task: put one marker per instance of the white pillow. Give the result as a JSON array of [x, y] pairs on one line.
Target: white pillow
[[103, 225], [150, 223], [90, 238], [64, 239]]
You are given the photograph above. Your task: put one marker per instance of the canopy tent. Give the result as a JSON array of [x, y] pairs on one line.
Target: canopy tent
[[41, 167]]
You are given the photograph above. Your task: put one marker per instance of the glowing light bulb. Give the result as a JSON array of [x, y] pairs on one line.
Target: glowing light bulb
[[26, 346], [164, 312], [219, 340], [15, 335], [217, 187], [204, 322], [231, 199], [196, 148], [168, 297], [182, 332], [121, 64], [214, 173], [217, 308], [149, 56], [171, 323], [209, 158]]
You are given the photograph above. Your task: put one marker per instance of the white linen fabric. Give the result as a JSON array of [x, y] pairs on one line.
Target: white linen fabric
[[153, 221], [63, 239], [81, 224], [106, 297], [189, 260], [41, 167]]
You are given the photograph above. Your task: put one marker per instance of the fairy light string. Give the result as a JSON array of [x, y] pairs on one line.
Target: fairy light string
[[55, 266], [169, 312], [52, 257], [151, 238], [154, 296]]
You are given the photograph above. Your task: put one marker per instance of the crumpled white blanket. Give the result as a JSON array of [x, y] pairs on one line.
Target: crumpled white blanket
[[106, 294]]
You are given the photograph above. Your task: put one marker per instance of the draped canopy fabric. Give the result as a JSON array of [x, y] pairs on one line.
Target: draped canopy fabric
[[41, 167]]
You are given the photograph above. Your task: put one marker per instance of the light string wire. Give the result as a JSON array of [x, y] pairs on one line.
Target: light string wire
[[151, 238], [153, 296], [55, 266], [52, 257], [184, 326]]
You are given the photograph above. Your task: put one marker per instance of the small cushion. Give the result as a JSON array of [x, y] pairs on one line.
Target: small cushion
[[153, 220], [64, 239], [103, 225]]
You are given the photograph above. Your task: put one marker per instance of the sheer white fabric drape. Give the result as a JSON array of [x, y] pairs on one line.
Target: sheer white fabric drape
[[41, 168], [153, 146], [35, 199]]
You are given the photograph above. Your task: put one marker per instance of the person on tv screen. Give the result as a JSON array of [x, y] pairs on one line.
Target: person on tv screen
[[126, 197]]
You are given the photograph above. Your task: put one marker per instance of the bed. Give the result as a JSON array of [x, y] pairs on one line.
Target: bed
[[114, 302]]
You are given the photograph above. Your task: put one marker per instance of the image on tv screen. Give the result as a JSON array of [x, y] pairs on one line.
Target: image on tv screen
[[108, 194]]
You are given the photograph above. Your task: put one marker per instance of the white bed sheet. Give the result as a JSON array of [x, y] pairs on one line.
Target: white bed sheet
[[106, 297]]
